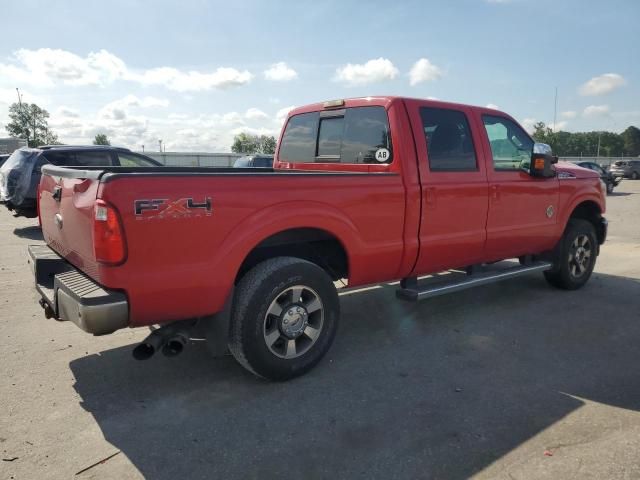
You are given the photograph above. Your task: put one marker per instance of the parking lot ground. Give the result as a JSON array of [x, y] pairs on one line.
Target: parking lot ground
[[510, 381]]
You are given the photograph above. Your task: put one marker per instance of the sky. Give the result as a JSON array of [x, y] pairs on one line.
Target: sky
[[194, 73]]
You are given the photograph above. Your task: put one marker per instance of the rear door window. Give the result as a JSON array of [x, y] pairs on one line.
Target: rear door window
[[353, 135], [133, 160], [93, 159], [449, 143]]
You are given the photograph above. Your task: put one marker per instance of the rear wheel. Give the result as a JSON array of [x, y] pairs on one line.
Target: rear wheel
[[284, 318], [576, 258], [610, 187], [635, 176]]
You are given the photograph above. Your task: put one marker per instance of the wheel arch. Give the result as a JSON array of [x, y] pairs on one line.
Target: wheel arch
[[591, 211]]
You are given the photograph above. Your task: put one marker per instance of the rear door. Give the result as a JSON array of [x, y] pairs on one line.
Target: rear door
[[454, 187], [522, 209]]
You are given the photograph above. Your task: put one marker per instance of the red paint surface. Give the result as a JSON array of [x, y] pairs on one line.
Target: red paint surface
[[410, 222]]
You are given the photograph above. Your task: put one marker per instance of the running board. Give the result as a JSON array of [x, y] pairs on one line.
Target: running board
[[417, 292]]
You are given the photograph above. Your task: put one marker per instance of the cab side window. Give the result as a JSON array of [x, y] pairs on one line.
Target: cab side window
[[131, 160], [449, 143], [511, 146], [93, 159]]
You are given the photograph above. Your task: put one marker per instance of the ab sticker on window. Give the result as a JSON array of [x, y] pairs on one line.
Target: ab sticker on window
[[382, 155]]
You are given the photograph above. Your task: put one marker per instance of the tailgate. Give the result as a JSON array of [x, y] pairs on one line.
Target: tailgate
[[66, 202]]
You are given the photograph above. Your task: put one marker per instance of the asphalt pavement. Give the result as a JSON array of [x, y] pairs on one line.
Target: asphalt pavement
[[515, 380]]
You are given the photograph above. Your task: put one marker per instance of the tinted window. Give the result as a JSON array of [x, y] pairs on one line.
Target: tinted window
[[60, 158], [330, 137], [299, 139], [93, 159], [131, 160], [449, 142], [263, 162], [511, 147], [353, 135], [366, 130]]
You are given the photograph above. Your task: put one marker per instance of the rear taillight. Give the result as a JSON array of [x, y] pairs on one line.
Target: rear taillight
[[38, 206], [108, 237]]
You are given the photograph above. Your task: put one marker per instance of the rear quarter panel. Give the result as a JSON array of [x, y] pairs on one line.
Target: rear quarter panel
[[184, 266]]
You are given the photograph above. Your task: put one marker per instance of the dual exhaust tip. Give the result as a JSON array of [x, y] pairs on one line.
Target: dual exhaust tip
[[169, 341]]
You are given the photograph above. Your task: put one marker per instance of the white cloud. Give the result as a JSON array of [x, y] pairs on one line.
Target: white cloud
[[493, 106], [528, 123], [596, 111], [569, 114], [47, 67], [118, 109], [423, 71], [255, 114], [375, 70], [281, 114], [66, 112], [602, 84], [280, 72], [558, 125], [191, 81]]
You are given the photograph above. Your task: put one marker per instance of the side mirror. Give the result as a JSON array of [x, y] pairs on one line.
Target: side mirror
[[541, 160]]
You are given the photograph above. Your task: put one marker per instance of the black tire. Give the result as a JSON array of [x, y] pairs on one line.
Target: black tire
[[572, 267], [264, 289], [610, 186], [635, 176]]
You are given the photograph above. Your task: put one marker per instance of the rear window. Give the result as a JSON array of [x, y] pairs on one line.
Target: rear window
[[79, 158], [353, 135]]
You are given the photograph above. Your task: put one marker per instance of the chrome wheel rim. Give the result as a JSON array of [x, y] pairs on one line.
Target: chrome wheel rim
[[580, 256], [293, 322]]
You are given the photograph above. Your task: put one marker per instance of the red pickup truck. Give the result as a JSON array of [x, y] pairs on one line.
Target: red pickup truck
[[362, 191]]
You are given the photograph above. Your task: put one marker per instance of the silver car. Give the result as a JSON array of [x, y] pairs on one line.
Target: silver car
[[626, 168]]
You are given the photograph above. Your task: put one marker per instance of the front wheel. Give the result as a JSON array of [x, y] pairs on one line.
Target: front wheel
[[635, 176], [576, 257], [284, 318]]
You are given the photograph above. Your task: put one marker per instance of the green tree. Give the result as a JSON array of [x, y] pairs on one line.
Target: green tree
[[541, 133], [101, 139], [30, 121], [249, 144], [631, 141], [268, 144]]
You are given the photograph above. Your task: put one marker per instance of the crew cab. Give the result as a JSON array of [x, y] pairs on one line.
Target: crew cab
[[362, 191]]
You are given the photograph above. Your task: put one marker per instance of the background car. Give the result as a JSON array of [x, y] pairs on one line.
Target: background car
[[610, 180], [3, 158], [260, 161], [20, 173], [626, 168]]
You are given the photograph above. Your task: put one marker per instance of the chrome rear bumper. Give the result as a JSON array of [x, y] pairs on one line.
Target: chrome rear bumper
[[73, 296]]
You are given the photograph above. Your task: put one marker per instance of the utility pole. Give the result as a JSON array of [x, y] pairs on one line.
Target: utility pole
[[160, 145], [22, 112], [142, 148], [598, 152], [555, 110]]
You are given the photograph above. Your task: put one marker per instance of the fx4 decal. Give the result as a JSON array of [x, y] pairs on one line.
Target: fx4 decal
[[165, 208]]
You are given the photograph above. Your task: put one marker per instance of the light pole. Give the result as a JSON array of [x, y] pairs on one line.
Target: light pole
[[160, 145]]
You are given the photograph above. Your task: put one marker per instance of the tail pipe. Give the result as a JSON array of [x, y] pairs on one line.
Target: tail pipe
[[171, 339], [149, 345]]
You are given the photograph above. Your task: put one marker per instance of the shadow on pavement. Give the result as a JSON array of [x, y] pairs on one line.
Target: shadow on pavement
[[33, 232], [439, 389]]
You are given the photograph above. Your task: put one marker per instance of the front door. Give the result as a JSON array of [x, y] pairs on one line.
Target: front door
[[522, 209], [454, 188]]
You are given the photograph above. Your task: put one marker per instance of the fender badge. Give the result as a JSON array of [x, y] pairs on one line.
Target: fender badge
[[550, 211]]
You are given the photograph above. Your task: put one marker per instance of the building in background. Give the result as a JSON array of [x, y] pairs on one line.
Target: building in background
[[9, 144]]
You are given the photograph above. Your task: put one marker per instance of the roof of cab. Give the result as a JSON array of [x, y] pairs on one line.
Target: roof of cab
[[378, 100]]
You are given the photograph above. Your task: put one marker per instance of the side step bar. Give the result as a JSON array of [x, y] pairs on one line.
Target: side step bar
[[414, 292]]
